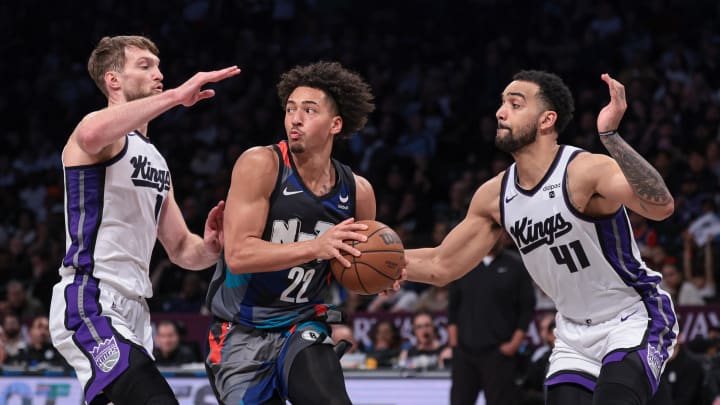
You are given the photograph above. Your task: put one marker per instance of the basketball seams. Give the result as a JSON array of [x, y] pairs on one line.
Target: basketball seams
[[372, 278], [375, 231], [376, 270]]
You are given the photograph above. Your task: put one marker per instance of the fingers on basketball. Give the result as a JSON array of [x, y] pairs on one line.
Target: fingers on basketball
[[379, 265]]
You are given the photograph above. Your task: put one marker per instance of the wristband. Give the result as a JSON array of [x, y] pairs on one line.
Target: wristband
[[608, 133]]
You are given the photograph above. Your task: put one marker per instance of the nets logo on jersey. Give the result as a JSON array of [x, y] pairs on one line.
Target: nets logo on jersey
[[287, 232], [106, 354], [144, 175], [529, 235]]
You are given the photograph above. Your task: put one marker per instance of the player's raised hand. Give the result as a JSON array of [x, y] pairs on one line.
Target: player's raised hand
[[331, 243], [191, 91], [610, 116]]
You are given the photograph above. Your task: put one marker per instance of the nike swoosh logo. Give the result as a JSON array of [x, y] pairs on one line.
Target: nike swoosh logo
[[508, 199], [286, 192], [344, 199], [624, 318]]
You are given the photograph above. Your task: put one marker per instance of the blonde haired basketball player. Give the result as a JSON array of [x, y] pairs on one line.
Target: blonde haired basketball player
[[118, 201]]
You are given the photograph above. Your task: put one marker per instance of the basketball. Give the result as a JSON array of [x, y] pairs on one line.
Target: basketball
[[379, 265]]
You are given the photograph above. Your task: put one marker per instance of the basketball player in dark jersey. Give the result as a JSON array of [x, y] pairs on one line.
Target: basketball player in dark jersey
[[566, 211], [289, 208]]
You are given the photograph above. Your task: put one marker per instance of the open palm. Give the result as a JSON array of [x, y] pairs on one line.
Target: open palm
[[610, 116]]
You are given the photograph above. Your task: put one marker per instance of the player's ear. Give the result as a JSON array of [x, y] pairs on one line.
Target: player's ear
[[547, 119], [336, 125], [112, 81]]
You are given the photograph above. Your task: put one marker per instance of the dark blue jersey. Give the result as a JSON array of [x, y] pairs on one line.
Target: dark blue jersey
[[278, 299]]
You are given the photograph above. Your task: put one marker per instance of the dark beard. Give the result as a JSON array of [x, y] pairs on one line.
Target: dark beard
[[511, 143]]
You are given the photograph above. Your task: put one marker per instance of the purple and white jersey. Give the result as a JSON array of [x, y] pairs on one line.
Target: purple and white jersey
[[112, 211], [590, 267]]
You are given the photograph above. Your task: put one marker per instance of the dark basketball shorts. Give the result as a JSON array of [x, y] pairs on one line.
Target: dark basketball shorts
[[252, 366]]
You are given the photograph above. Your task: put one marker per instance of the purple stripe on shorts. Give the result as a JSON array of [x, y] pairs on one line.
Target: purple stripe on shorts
[[629, 268], [568, 378], [106, 350], [614, 356]]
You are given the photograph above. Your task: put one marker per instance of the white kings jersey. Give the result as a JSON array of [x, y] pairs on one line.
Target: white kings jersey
[[112, 211], [590, 267]]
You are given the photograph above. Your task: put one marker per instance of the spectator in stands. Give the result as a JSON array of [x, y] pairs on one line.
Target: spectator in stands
[[427, 352], [385, 347], [21, 303], [352, 357], [169, 351], [681, 291], [12, 339], [39, 353]]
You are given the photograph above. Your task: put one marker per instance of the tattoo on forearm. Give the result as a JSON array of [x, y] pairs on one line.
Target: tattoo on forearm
[[645, 181]]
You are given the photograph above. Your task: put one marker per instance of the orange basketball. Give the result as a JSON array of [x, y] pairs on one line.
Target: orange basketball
[[379, 265]]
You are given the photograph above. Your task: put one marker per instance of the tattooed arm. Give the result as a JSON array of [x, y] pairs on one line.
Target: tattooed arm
[[628, 178]]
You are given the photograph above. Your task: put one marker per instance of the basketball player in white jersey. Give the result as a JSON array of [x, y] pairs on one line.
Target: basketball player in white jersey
[[565, 209], [118, 201]]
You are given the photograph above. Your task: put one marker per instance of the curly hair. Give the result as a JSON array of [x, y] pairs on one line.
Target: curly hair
[[109, 54], [348, 92], [553, 92]]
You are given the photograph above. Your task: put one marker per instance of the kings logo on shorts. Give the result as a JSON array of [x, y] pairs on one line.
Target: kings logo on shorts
[[655, 360], [106, 354]]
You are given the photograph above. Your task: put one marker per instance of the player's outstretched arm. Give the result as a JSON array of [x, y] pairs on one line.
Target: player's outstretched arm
[[246, 210], [466, 244], [184, 248], [103, 127], [634, 182]]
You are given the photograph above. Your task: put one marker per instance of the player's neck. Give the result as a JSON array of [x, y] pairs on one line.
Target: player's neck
[[143, 130], [315, 170], [533, 162]]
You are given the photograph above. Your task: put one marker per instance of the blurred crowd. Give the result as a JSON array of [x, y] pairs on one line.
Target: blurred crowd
[[436, 69]]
